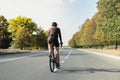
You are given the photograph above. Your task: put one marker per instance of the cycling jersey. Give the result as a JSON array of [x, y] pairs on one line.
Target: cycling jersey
[[54, 32]]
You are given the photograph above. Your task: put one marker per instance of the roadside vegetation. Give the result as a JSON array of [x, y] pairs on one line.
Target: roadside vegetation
[[21, 33], [102, 30]]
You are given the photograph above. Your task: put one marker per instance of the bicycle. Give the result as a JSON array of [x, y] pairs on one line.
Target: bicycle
[[52, 60]]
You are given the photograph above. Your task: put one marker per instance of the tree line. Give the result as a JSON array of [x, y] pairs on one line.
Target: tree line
[[21, 32], [102, 29]]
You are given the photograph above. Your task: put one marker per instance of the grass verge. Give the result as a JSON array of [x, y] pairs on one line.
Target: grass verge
[[106, 51]]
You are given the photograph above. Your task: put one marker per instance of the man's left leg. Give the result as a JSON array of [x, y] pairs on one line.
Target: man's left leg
[[57, 57]]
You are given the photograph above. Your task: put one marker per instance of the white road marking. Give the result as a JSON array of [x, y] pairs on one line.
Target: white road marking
[[66, 57], [4, 60], [62, 61]]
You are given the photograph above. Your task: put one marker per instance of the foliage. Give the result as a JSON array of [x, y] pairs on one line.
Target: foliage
[[23, 30], [5, 40], [85, 37], [22, 38], [40, 39], [109, 23], [102, 29], [15, 24]]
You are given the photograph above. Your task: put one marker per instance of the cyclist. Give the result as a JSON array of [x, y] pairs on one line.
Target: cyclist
[[54, 32]]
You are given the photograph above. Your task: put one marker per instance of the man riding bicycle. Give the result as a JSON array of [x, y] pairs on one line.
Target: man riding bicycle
[[54, 32]]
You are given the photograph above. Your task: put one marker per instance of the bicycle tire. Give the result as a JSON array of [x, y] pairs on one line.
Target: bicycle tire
[[52, 61]]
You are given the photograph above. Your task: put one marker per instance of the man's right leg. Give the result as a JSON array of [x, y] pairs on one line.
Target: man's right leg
[[50, 47]]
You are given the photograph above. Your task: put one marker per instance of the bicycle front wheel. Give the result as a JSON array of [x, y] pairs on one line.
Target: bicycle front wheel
[[52, 62]]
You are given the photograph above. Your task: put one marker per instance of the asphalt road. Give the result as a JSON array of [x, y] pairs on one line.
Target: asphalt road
[[75, 65]]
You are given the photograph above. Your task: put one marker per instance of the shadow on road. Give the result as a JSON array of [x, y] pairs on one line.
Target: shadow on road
[[87, 70]]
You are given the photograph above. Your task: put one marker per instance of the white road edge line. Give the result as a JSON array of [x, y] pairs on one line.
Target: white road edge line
[[4, 60]]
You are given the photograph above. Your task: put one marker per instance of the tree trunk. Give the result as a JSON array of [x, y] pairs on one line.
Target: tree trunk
[[116, 45], [101, 46]]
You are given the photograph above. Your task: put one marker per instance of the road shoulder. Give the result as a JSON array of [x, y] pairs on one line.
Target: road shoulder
[[106, 52]]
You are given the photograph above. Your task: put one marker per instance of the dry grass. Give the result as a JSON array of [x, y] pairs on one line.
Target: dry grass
[[12, 51], [107, 51]]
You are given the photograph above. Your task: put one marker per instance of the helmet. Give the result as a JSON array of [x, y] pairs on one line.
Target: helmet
[[54, 24]]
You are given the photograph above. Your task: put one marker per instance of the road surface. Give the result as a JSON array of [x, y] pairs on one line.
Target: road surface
[[75, 65]]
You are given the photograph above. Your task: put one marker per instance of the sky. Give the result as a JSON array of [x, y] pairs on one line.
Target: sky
[[69, 14]]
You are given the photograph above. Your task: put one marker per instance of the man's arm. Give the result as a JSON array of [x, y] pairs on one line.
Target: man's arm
[[60, 37]]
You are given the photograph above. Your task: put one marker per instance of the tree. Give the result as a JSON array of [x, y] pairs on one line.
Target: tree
[[19, 25], [84, 38], [23, 38], [74, 42], [40, 39], [5, 40], [27, 23], [109, 25]]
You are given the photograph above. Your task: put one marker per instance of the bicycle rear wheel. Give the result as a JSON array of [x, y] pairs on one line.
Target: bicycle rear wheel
[[52, 61]]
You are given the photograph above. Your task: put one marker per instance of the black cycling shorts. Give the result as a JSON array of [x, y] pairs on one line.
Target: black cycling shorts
[[56, 44]]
